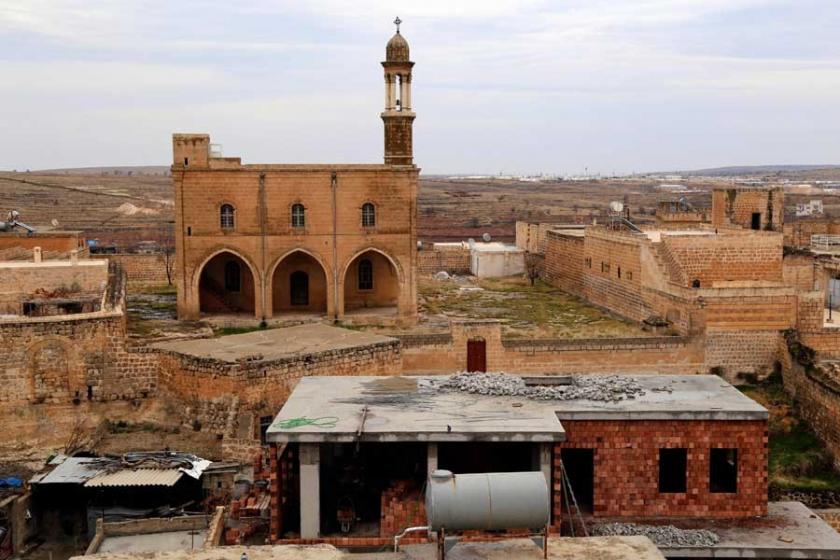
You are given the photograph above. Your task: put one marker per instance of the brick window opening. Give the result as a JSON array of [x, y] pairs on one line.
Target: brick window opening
[[588, 262], [233, 277], [368, 215], [189, 231], [265, 423], [755, 223], [298, 215], [365, 275], [723, 471], [186, 161], [672, 470], [619, 272], [629, 275], [695, 283], [226, 216]]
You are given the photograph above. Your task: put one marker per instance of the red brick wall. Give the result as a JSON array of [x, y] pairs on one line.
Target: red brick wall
[[627, 467]]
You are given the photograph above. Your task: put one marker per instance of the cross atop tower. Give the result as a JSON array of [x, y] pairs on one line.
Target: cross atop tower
[[397, 22]]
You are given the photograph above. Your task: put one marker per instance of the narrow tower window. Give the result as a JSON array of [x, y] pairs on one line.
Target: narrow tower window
[[298, 215], [368, 215], [365, 275], [226, 216]]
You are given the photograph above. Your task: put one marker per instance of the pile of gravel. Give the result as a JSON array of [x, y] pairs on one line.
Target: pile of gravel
[[665, 536], [605, 388]]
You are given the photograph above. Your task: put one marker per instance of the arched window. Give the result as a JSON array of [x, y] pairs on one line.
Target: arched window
[[226, 216], [365, 275], [298, 215], [368, 215], [233, 277]]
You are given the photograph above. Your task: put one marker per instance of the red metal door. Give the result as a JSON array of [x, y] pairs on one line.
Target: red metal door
[[476, 355]]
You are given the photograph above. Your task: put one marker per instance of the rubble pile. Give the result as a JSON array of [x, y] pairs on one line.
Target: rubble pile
[[665, 536], [605, 388]]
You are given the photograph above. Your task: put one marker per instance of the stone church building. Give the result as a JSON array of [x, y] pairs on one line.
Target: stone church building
[[270, 240]]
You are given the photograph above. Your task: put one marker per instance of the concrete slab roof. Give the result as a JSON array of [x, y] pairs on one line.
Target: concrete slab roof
[[566, 548], [670, 397], [790, 530], [273, 344], [286, 552], [413, 409], [405, 409], [153, 542]]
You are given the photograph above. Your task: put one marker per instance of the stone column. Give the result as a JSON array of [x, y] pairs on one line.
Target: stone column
[[403, 94], [406, 98], [310, 490]]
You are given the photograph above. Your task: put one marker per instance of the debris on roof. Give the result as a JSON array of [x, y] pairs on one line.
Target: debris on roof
[[666, 536], [162, 468]]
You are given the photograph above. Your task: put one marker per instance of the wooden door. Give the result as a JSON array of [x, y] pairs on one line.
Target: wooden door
[[476, 355]]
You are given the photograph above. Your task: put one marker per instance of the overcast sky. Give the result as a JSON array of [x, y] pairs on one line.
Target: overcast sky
[[509, 86]]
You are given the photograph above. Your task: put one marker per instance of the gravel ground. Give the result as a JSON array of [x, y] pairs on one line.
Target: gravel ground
[[665, 536], [606, 388]]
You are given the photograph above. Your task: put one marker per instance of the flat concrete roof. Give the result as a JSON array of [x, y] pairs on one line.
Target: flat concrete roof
[[670, 397], [411, 408], [286, 552], [565, 548], [406, 409], [154, 542], [273, 344], [790, 530]]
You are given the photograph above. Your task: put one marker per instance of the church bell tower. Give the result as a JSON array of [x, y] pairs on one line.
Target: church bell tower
[[398, 116]]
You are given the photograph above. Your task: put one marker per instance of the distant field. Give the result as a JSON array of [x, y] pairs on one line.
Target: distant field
[[123, 205]]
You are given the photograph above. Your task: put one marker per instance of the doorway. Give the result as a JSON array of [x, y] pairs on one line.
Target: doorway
[[580, 470], [299, 288], [756, 220], [476, 355]]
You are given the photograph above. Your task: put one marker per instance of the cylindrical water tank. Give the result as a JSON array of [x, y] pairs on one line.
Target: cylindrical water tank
[[489, 501]]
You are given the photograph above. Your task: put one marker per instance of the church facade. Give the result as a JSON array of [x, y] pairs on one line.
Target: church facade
[[274, 240]]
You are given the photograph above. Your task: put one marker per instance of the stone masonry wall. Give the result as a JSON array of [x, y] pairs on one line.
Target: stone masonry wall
[[57, 360], [143, 269], [737, 352], [627, 459], [722, 258], [432, 261], [564, 262], [266, 385], [447, 353], [612, 272]]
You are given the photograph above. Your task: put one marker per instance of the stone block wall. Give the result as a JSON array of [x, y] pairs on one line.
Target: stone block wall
[[265, 385], [737, 352], [58, 359], [800, 272], [736, 205], [447, 353], [453, 261], [613, 272], [627, 467], [712, 259], [143, 269], [564, 262]]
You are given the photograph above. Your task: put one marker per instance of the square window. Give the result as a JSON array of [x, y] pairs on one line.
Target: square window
[[672, 470], [723, 471]]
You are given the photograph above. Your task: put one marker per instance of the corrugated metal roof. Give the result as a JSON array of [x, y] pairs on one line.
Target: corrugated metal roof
[[136, 477], [72, 470]]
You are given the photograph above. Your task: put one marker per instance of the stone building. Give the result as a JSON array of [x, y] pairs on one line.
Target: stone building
[[752, 207], [270, 240]]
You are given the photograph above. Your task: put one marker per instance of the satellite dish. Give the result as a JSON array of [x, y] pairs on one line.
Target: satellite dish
[[486, 237], [616, 206], [54, 222]]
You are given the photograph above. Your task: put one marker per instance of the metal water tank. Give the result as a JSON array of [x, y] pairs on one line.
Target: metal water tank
[[489, 501]]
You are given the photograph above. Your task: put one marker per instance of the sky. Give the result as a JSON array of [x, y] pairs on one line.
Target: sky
[[499, 86]]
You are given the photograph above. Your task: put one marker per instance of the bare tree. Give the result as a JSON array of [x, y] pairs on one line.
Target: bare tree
[[533, 266], [167, 253]]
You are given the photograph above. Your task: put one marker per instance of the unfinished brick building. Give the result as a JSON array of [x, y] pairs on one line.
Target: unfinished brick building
[[362, 447], [270, 240]]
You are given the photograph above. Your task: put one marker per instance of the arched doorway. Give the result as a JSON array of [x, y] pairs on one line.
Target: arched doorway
[[299, 284], [371, 281], [226, 285]]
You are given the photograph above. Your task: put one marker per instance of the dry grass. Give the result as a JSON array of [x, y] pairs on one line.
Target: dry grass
[[534, 311]]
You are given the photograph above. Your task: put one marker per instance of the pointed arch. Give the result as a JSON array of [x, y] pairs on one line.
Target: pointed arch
[[287, 283], [371, 278], [226, 282]]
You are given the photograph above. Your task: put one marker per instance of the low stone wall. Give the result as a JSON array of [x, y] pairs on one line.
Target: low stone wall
[[447, 353], [143, 269], [814, 499], [432, 261], [265, 385], [817, 398], [734, 352]]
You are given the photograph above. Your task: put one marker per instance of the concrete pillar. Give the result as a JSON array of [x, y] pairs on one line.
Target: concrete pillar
[[36, 254], [431, 457], [546, 463], [74, 256], [310, 490]]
